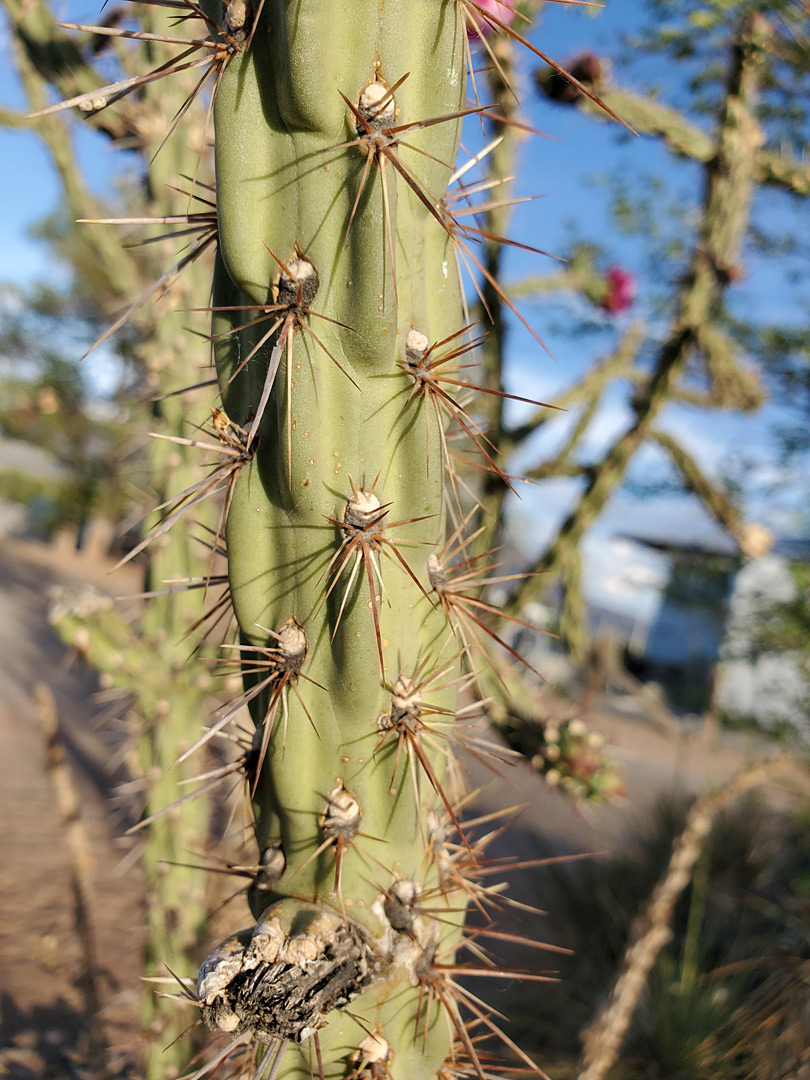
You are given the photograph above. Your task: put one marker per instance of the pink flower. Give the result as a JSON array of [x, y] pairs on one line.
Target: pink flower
[[620, 292], [500, 9]]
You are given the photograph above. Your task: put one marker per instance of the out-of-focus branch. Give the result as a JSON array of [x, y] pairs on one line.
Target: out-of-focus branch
[[616, 365], [500, 78], [684, 139], [169, 702], [59, 63], [560, 464], [729, 183], [574, 614], [731, 384], [112, 265], [721, 508], [11, 118]]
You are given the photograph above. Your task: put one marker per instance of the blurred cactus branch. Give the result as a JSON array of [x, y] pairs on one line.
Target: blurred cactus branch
[[652, 929], [721, 507], [587, 392], [96, 628], [578, 275], [169, 695], [502, 161], [684, 139], [60, 63], [574, 614], [115, 267], [167, 700], [729, 179]]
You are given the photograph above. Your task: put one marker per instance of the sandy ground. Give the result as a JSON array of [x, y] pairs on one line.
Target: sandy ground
[[41, 1018], [41, 1010]]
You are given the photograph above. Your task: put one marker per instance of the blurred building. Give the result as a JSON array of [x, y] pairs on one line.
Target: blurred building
[[28, 474], [715, 639]]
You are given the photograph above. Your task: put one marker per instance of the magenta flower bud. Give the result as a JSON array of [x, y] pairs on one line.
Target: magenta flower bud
[[500, 10], [620, 292]]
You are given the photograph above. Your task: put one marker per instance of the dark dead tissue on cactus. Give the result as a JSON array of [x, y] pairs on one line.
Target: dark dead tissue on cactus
[[280, 985]]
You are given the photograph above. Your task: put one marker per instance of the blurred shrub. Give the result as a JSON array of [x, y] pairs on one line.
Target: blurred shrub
[[729, 983]]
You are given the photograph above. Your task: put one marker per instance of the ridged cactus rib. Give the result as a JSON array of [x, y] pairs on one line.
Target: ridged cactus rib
[[336, 134]]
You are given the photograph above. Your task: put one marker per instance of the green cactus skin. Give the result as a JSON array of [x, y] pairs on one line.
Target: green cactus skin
[[338, 781]]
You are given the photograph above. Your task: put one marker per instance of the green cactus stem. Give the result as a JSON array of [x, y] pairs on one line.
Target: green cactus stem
[[340, 336], [333, 149]]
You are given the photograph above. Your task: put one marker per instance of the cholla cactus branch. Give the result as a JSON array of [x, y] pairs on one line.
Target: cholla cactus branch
[[619, 364], [684, 139], [338, 334], [718, 504], [730, 179]]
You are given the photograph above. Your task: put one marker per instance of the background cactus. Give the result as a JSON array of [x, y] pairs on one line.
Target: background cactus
[[150, 661]]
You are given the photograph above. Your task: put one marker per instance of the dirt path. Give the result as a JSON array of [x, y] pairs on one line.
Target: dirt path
[[40, 1007]]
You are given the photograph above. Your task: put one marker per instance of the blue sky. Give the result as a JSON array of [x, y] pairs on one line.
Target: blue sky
[[565, 170]]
